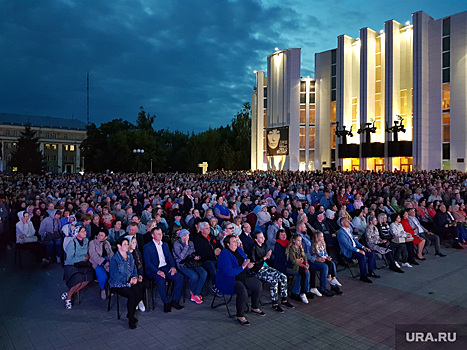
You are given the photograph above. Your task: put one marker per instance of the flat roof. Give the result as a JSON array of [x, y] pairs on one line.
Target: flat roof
[[41, 122]]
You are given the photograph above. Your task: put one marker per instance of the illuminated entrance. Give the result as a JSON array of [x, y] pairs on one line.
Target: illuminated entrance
[[375, 164], [402, 163], [349, 164]]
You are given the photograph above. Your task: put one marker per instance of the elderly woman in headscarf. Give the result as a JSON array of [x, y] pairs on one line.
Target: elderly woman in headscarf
[[25, 232], [67, 230]]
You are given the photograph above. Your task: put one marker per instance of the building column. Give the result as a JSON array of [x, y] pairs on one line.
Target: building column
[[77, 159], [59, 158], [259, 125]]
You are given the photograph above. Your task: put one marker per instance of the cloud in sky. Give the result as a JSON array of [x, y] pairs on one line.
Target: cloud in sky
[[189, 62]]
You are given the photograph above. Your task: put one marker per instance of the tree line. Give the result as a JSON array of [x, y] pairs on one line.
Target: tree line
[[110, 146]]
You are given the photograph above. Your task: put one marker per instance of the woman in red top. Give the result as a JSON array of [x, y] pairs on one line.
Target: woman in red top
[[431, 209], [417, 240], [342, 198]]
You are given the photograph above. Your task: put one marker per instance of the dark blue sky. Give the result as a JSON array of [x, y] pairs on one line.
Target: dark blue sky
[[189, 62]]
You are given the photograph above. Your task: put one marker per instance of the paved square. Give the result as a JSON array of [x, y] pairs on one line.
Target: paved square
[[32, 316]]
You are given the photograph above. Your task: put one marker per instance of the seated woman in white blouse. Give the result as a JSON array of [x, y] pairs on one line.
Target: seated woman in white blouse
[[397, 230], [25, 232]]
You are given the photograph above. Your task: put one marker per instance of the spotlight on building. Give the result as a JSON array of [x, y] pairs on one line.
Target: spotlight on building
[[276, 49], [255, 71], [407, 23], [381, 31]]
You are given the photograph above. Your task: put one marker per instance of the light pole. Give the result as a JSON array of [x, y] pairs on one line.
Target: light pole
[[138, 151]]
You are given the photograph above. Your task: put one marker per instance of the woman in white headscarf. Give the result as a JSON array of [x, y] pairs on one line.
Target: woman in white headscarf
[[25, 232]]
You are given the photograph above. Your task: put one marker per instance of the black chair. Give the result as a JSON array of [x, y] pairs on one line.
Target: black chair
[[382, 256], [260, 301], [226, 303], [347, 263], [109, 295], [151, 291], [24, 246]]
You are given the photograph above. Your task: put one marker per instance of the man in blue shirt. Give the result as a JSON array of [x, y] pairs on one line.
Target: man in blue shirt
[[352, 249], [325, 200], [315, 195]]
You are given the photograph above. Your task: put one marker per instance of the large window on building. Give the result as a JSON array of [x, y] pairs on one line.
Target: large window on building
[[302, 156], [379, 135], [333, 136], [302, 115], [333, 106], [354, 113], [312, 114], [333, 112], [447, 26], [403, 103], [311, 137], [446, 116], [446, 99], [446, 92], [302, 137]]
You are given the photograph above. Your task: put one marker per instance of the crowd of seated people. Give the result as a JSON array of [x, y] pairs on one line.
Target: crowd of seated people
[[289, 229]]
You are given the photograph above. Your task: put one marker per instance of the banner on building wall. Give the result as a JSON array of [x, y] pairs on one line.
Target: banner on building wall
[[277, 141]]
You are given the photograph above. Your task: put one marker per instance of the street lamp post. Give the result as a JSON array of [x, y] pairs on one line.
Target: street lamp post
[[139, 151]]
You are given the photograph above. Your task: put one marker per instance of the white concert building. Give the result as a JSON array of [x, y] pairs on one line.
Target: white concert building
[[393, 98]]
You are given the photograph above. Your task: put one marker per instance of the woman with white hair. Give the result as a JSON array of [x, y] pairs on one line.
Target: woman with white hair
[[263, 218]]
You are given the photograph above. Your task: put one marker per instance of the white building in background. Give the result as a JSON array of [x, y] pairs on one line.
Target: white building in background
[[401, 91], [283, 104], [59, 140]]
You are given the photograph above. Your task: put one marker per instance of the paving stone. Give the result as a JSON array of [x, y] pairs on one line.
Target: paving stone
[[32, 316]]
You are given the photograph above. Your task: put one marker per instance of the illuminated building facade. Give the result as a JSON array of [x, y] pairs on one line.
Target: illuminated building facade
[[59, 140], [396, 97], [284, 99]]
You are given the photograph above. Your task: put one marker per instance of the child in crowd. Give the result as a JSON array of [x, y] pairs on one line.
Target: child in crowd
[[318, 249], [297, 266]]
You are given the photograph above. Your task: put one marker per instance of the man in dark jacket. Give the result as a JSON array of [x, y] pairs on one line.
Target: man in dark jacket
[[247, 240], [322, 225], [208, 248], [160, 266]]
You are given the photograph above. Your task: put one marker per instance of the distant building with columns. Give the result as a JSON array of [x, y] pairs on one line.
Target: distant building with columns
[[399, 91], [59, 139]]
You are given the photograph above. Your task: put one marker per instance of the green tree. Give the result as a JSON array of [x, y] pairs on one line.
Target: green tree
[[28, 157], [145, 121], [111, 146], [241, 130]]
